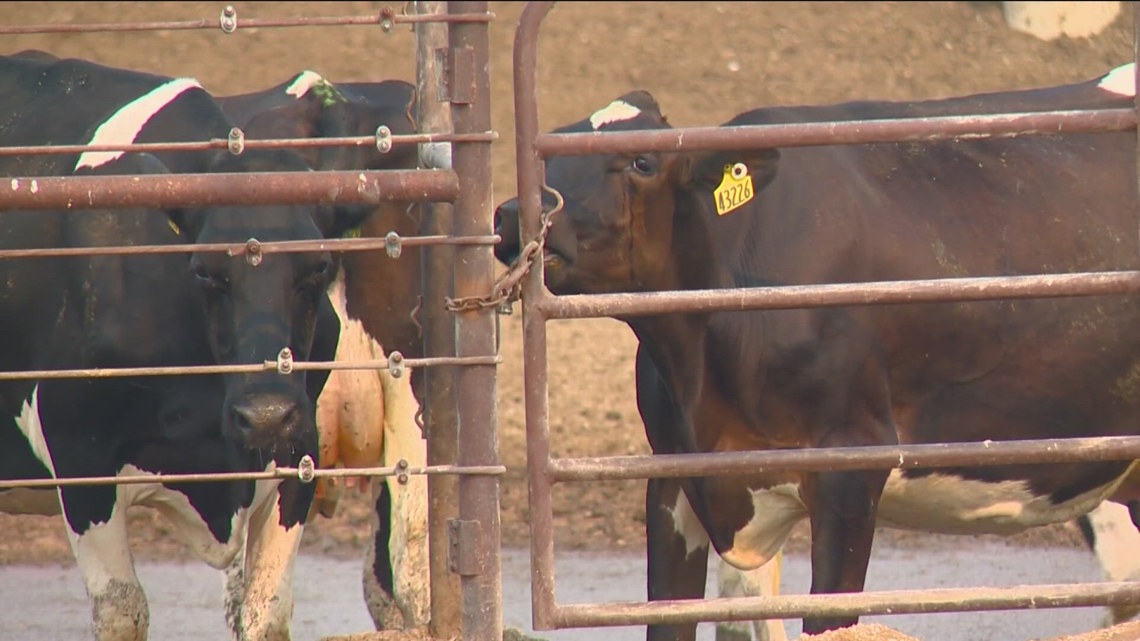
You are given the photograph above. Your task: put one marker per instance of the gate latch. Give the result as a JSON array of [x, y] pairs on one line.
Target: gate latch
[[463, 545]]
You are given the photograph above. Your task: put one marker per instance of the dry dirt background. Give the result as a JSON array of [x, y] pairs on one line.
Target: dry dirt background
[[704, 61]]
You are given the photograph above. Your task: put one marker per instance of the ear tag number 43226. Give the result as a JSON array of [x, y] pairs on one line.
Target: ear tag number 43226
[[735, 188]]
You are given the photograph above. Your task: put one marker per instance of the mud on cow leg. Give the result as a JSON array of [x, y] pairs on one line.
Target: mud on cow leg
[[396, 577]]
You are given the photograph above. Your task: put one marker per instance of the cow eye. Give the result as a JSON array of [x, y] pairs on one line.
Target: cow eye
[[642, 165]]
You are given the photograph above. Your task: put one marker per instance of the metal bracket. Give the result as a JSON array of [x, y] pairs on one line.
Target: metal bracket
[[463, 545], [458, 74], [236, 141], [228, 20], [396, 364]]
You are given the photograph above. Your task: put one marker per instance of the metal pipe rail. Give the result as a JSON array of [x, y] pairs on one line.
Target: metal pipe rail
[[305, 474], [253, 368], [386, 18], [936, 290], [882, 457], [253, 188], [391, 241], [539, 306], [250, 143]]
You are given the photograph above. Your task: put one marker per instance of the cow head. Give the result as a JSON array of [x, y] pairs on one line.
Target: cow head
[[257, 305], [624, 217]]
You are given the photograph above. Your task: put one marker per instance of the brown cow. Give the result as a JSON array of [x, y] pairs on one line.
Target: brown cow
[[860, 375]]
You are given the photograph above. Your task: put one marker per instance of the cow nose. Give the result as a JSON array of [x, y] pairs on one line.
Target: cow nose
[[266, 417], [507, 228]]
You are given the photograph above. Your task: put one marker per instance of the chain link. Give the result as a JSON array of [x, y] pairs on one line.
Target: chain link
[[507, 288]]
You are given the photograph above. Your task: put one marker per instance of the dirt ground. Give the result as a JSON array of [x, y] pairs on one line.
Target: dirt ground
[[704, 61]]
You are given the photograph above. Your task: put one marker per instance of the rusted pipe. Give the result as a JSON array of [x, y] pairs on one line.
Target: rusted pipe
[[1022, 452], [248, 143], [537, 412], [851, 604], [840, 132], [278, 473], [201, 190], [246, 23], [250, 368], [238, 249], [831, 295], [476, 533], [437, 277]]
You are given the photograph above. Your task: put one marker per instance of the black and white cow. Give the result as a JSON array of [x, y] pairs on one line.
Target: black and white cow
[[367, 418], [175, 309]]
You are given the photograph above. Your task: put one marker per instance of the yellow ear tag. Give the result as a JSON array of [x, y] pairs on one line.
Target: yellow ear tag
[[174, 227], [351, 233], [735, 188]]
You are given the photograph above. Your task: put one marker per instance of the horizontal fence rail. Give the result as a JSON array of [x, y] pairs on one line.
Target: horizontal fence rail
[[249, 189], [303, 473], [228, 22], [937, 290], [540, 306], [1035, 451], [250, 368], [253, 143], [854, 604], [392, 242], [846, 132]]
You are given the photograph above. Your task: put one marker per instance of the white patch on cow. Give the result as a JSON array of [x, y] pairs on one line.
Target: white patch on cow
[[126, 123], [188, 523], [1121, 80], [948, 504], [303, 83], [29, 423], [366, 418], [435, 155], [616, 111], [688, 526], [775, 511], [1115, 540]]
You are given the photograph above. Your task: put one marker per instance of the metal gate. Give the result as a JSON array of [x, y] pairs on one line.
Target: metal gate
[[460, 341], [539, 307]]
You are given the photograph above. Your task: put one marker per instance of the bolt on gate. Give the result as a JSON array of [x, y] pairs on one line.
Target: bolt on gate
[[452, 108], [539, 306]]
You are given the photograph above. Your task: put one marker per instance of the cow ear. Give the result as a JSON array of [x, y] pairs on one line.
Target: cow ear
[[335, 221], [707, 171], [143, 163]]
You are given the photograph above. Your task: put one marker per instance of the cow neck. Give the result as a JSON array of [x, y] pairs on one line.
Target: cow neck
[[678, 342]]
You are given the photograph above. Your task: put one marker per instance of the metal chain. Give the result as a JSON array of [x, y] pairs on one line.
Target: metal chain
[[507, 288]]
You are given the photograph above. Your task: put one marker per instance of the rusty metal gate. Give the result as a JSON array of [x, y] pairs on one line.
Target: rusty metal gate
[[539, 306], [460, 341]]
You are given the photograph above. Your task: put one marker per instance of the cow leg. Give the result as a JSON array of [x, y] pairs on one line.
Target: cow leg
[[396, 570], [119, 610], [763, 581], [258, 581], [1113, 536], [677, 552], [841, 508]]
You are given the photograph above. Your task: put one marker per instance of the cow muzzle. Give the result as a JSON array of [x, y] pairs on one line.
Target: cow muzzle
[[265, 421]]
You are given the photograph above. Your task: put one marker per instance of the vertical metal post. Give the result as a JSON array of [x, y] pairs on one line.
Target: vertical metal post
[[476, 553], [433, 114], [1136, 83], [530, 171]]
